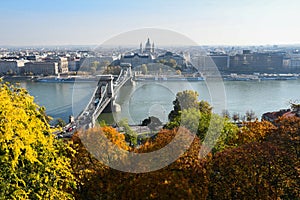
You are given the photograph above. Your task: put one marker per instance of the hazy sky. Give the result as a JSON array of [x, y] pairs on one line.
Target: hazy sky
[[232, 22]]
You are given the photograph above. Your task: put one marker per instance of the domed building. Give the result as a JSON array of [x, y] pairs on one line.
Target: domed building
[[149, 55], [148, 47], [144, 56]]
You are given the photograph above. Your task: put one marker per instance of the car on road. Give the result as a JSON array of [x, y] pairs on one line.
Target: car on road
[[86, 113], [59, 136], [96, 101]]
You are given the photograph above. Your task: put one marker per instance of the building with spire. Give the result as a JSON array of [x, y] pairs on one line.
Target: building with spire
[[148, 55], [141, 48], [149, 49]]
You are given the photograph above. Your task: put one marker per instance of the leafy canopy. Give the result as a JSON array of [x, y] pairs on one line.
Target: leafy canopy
[[33, 164]]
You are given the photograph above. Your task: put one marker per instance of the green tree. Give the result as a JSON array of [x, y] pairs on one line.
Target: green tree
[[33, 165], [198, 118], [184, 100], [130, 135], [205, 107]]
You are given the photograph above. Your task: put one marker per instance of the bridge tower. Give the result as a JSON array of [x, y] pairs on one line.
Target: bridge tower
[[128, 68], [108, 80]]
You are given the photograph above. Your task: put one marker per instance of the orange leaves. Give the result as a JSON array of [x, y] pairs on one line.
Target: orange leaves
[[251, 164], [115, 137], [185, 178], [161, 139], [254, 131], [253, 171], [96, 148]]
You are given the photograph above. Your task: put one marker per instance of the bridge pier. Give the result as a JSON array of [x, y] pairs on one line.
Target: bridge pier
[[132, 82], [115, 107]]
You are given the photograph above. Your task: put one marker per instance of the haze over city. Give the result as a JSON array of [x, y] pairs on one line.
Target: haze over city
[[91, 22]]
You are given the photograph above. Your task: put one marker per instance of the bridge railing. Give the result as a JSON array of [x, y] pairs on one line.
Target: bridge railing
[[125, 79], [120, 75]]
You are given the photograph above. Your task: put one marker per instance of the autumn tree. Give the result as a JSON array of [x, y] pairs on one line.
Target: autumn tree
[[33, 165], [251, 163], [92, 158], [254, 132], [185, 178], [114, 70], [256, 161], [254, 171], [287, 135]]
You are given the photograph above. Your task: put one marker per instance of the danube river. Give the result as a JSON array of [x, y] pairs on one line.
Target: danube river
[[155, 98]]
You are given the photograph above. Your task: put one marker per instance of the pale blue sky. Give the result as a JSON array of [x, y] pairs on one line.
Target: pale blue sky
[[229, 22]]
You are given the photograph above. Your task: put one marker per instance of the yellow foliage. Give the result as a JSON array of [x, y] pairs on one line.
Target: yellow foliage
[[32, 162]]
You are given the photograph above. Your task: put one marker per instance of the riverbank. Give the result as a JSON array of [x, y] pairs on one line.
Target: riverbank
[[20, 78], [68, 79], [160, 78], [230, 77], [51, 79]]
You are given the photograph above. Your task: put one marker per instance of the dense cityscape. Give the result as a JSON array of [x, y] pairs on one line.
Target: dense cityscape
[[240, 60]]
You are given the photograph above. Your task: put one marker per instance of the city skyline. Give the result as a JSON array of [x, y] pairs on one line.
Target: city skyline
[[92, 22]]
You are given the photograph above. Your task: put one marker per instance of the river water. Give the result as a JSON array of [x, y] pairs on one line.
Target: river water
[[155, 98]]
